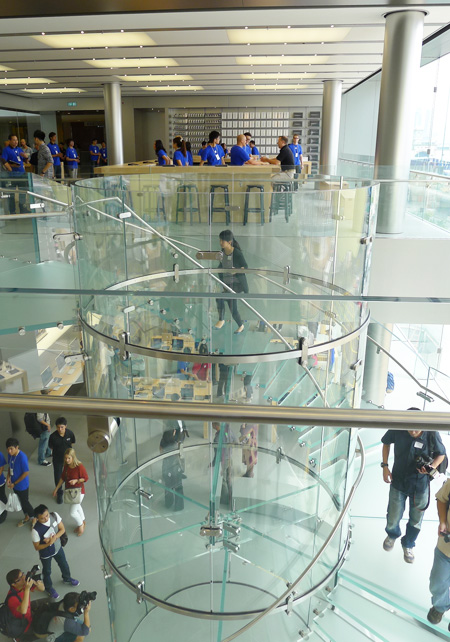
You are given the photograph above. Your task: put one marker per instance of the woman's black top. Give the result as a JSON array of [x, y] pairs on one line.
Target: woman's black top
[[234, 260]]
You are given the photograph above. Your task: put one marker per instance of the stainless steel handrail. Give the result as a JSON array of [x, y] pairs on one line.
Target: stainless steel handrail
[[289, 591], [17, 217], [416, 381], [337, 417]]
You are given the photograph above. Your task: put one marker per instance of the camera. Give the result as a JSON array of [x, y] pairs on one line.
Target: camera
[[84, 599], [34, 573], [424, 461]]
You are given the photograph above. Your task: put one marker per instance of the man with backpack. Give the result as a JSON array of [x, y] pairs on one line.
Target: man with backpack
[[416, 454], [38, 426], [60, 619], [16, 612]]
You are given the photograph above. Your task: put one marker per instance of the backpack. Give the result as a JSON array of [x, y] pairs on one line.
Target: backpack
[[32, 425], [11, 626], [45, 614], [432, 447]]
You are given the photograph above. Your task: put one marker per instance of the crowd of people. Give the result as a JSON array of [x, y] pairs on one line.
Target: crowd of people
[[244, 152], [47, 159], [67, 618]]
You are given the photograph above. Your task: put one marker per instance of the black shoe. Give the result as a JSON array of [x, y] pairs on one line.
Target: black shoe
[[434, 616], [60, 500]]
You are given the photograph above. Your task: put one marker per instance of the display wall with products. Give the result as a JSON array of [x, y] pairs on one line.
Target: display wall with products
[[265, 125]]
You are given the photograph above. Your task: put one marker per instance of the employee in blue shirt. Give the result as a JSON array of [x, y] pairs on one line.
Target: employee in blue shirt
[[189, 153], [214, 153], [17, 477], [238, 154], [94, 151], [296, 149], [180, 155], [3, 497], [248, 138], [162, 155], [255, 150], [12, 162], [56, 154], [72, 159], [203, 149], [103, 154]]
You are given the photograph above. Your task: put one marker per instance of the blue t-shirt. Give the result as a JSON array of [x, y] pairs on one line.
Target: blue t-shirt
[[189, 157], [255, 151], [214, 155], [178, 155], [71, 152], [161, 154], [297, 151], [238, 155], [54, 149], [104, 153], [202, 153], [2, 463], [11, 155], [248, 149], [182, 365], [96, 150], [19, 465]]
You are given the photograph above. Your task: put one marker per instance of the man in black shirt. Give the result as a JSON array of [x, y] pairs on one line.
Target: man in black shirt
[[408, 481], [59, 442], [285, 158]]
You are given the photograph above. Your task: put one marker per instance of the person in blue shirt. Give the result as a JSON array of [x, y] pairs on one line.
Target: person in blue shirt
[[203, 149], [180, 156], [255, 150], [12, 160], [56, 154], [103, 154], [72, 159], [163, 157], [214, 154], [248, 138], [94, 152], [239, 156], [3, 497], [189, 153], [296, 149], [17, 477]]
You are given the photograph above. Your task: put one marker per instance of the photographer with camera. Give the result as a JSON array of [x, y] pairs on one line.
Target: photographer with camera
[[17, 621], [61, 619], [417, 454], [440, 572]]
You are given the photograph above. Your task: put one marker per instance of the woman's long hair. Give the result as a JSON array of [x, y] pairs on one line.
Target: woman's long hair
[[179, 142], [73, 454], [159, 145], [228, 236]]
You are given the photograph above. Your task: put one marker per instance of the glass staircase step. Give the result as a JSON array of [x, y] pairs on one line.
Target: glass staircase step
[[332, 628], [288, 375], [378, 620]]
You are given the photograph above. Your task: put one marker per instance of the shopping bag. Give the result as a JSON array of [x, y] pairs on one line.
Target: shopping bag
[[13, 504]]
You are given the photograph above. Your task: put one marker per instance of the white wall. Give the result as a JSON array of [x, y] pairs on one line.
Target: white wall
[[359, 116], [149, 126]]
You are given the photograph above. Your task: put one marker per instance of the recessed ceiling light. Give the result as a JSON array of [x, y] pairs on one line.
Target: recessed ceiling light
[[133, 62], [276, 60], [245, 27], [53, 90], [71, 48], [25, 81], [121, 31], [81, 31], [42, 33], [277, 35], [129, 39], [332, 26]]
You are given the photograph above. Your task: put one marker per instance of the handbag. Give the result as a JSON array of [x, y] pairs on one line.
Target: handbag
[[13, 505], [64, 539], [72, 496]]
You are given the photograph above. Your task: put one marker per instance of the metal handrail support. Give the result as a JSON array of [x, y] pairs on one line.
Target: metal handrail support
[[416, 381]]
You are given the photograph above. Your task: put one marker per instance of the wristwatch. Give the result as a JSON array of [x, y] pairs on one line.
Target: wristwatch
[[383, 465]]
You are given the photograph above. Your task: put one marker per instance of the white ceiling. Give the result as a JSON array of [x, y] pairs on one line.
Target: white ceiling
[[198, 43]]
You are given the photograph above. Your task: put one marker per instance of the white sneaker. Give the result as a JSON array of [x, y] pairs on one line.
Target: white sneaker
[[388, 543], [408, 555]]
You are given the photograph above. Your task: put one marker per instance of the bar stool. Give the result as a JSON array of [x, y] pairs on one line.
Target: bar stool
[[160, 202], [186, 192], [247, 208], [281, 199], [225, 208]]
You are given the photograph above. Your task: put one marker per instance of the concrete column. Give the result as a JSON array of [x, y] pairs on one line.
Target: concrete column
[[401, 64], [113, 119], [331, 117], [376, 364]]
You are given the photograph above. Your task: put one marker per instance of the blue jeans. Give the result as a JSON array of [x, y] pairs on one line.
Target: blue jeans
[[396, 508], [60, 559], [43, 449], [440, 582]]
